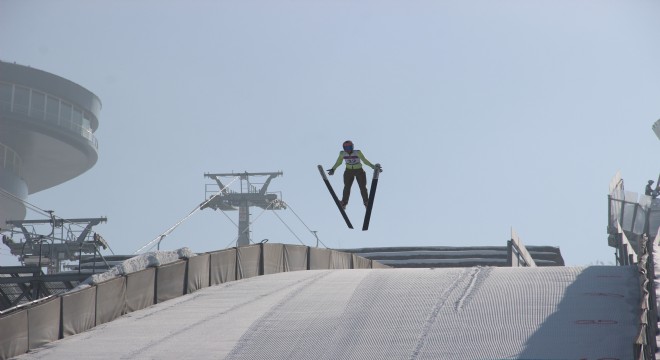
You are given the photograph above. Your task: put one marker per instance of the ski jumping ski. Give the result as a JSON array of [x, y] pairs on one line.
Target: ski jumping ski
[[372, 195], [370, 203], [334, 197]]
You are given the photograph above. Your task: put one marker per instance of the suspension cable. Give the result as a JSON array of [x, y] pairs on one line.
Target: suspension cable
[[310, 230], [251, 222], [160, 237], [44, 213], [231, 242], [232, 221], [27, 204], [228, 218], [235, 224], [287, 226], [258, 216]]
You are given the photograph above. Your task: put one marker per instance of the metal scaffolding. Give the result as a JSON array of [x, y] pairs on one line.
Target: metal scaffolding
[[225, 199], [66, 240]]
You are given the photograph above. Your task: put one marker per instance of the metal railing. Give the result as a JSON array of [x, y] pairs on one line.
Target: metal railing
[[633, 221], [517, 254], [630, 214], [625, 253], [58, 117], [10, 160], [645, 345]]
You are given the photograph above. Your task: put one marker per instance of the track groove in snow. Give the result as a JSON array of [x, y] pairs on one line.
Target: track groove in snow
[[271, 316], [474, 274], [296, 285], [434, 314]]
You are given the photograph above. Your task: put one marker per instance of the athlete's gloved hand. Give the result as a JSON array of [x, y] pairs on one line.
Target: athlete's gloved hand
[[331, 171], [380, 167]]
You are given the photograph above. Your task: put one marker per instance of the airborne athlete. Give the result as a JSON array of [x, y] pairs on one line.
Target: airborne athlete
[[353, 159], [354, 171]]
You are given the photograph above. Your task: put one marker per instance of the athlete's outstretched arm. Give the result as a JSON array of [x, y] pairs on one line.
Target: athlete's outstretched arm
[[364, 160], [339, 159]]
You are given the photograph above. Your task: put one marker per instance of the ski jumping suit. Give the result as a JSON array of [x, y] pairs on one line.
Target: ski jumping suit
[[353, 171]]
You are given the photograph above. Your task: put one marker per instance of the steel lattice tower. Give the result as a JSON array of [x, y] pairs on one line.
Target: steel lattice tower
[[249, 195]]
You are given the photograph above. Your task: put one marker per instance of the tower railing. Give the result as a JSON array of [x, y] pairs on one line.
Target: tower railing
[[49, 109], [10, 160]]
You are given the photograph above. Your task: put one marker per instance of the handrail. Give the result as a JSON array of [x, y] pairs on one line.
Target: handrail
[[625, 252], [645, 344], [516, 247], [16, 163], [61, 122]]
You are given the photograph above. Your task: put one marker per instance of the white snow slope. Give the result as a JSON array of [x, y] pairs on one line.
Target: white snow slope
[[461, 313]]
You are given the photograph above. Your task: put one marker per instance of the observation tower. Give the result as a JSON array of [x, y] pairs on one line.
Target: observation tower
[[47, 126]]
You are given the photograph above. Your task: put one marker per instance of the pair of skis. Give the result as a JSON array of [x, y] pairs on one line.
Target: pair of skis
[[370, 203]]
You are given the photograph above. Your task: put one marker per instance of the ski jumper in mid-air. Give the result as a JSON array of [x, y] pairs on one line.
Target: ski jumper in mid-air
[[354, 171]]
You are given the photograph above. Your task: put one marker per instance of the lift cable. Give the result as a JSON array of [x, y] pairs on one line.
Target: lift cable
[[287, 226], [310, 230], [162, 236], [251, 222]]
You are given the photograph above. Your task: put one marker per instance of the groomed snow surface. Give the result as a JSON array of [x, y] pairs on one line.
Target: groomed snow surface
[[451, 313]]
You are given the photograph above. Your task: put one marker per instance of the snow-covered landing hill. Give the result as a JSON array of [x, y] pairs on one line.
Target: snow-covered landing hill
[[461, 313]]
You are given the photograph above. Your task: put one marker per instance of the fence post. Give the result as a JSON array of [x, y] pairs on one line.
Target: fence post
[[261, 259]]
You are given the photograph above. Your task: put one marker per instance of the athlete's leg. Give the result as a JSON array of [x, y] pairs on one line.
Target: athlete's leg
[[349, 176], [362, 182]]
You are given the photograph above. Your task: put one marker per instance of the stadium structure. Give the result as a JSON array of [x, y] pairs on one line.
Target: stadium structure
[[47, 126], [282, 301]]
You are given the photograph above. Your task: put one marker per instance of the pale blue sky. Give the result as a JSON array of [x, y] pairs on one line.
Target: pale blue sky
[[485, 115]]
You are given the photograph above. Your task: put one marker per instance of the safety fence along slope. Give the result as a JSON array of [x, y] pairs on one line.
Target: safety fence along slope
[[633, 215], [646, 346], [151, 279], [633, 222]]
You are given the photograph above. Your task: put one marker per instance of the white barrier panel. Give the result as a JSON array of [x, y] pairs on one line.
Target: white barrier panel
[[319, 259], [198, 272], [273, 257], [110, 300], [44, 322], [170, 281], [140, 289], [223, 266], [13, 334], [78, 311], [295, 257], [248, 261]]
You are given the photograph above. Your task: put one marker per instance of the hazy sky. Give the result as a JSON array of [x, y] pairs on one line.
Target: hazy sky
[[485, 115]]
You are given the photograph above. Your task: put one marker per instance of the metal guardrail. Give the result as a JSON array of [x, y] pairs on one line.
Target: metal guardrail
[[517, 254], [625, 252], [632, 223], [630, 216], [10, 160], [645, 345], [58, 119]]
